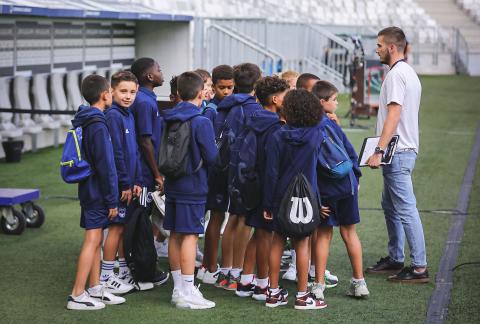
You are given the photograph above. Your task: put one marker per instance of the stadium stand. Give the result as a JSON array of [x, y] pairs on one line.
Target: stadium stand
[[8, 130], [59, 97]]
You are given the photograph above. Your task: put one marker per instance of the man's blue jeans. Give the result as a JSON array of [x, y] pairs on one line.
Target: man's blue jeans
[[400, 208]]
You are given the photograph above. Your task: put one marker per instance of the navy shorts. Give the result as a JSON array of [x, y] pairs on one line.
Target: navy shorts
[[93, 218], [342, 211], [124, 213], [184, 217], [217, 198], [256, 220]]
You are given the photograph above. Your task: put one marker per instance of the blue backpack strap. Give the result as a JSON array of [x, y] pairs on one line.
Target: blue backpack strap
[[211, 106]]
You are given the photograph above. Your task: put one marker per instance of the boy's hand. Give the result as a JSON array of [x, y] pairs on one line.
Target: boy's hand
[[137, 191], [267, 215], [112, 213], [324, 212], [126, 196], [334, 117], [159, 180]]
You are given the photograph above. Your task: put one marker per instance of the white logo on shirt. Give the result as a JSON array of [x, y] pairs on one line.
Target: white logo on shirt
[[157, 114], [127, 131], [296, 213]]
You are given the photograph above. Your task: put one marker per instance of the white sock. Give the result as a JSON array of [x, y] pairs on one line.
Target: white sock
[[177, 279], [246, 279], [188, 283], [311, 272], [235, 272], [225, 271], [274, 290], [95, 289], [262, 283], [301, 293], [294, 256], [123, 270], [107, 270], [358, 280]]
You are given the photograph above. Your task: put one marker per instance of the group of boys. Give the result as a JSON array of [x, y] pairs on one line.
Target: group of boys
[[287, 124]]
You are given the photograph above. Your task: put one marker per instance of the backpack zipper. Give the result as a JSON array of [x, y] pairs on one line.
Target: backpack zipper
[[76, 144]]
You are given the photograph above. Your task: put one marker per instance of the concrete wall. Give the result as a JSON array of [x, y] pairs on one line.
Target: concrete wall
[[169, 44]]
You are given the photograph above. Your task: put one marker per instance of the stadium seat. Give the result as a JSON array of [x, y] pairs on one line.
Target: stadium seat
[[42, 102], [74, 97], [7, 128], [21, 97], [59, 98]]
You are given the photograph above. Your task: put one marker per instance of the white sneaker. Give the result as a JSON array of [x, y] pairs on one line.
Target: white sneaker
[[318, 289], [201, 273], [162, 248], [98, 293], [331, 280], [358, 289], [210, 277], [116, 286], [198, 258], [83, 302], [194, 300], [291, 273], [141, 286], [177, 297]]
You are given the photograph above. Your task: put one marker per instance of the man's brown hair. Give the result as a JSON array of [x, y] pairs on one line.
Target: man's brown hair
[[394, 35]]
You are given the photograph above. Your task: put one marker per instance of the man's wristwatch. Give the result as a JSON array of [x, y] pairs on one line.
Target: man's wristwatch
[[379, 150]]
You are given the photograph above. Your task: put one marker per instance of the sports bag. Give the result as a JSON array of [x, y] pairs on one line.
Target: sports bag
[[298, 214], [74, 167], [334, 161], [139, 246]]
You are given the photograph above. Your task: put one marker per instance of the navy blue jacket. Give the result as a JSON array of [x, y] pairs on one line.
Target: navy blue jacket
[[340, 188], [209, 112], [100, 190], [121, 126], [192, 187], [290, 151], [148, 122], [228, 109]]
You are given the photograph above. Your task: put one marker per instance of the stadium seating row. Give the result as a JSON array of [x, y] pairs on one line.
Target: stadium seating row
[[472, 7], [56, 91]]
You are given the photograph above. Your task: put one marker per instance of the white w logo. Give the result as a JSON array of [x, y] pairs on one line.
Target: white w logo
[[296, 213]]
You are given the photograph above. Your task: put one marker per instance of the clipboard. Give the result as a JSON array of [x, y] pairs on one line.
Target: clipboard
[[368, 148]]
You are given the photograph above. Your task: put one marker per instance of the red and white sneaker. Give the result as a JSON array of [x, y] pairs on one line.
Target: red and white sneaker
[[244, 290], [276, 299], [308, 301]]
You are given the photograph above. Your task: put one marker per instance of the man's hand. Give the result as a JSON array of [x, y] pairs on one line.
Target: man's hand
[[267, 215], [324, 212], [112, 213], [374, 161], [137, 191], [334, 117], [126, 196]]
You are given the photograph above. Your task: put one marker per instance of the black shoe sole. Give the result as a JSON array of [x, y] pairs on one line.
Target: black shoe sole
[[411, 281], [371, 271]]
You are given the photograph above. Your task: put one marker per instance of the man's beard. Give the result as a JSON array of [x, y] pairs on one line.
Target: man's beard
[[385, 59]]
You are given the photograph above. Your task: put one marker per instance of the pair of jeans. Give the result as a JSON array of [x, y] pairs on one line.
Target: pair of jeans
[[400, 208]]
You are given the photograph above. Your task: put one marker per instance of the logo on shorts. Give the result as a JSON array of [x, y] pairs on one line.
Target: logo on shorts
[[122, 212], [149, 197]]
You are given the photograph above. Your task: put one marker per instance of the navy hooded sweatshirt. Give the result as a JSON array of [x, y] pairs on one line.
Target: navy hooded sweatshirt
[[121, 126], [210, 110], [340, 188], [291, 150], [193, 187], [228, 109], [100, 190], [265, 123]]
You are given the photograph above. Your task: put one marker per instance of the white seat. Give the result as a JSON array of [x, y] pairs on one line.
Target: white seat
[[7, 127], [42, 102], [74, 97], [21, 97], [59, 98]]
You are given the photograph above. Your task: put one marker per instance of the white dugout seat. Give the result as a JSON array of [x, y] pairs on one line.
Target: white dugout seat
[[59, 98], [21, 99], [42, 102], [7, 127]]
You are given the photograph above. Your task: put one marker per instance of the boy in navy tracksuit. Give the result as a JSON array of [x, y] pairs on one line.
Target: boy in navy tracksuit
[[222, 77], [341, 196], [121, 126], [270, 92], [233, 111], [98, 195], [186, 196], [292, 150]]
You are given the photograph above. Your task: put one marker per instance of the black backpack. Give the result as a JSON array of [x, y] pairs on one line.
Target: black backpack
[[175, 148], [298, 215], [140, 252]]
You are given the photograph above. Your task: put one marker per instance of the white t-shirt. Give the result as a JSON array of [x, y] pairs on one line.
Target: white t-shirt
[[401, 86]]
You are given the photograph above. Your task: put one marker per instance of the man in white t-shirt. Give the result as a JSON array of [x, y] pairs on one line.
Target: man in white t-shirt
[[398, 115]]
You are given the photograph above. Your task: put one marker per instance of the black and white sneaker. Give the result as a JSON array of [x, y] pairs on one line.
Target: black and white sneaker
[[244, 290], [161, 277], [140, 286], [99, 294], [83, 302], [116, 286]]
